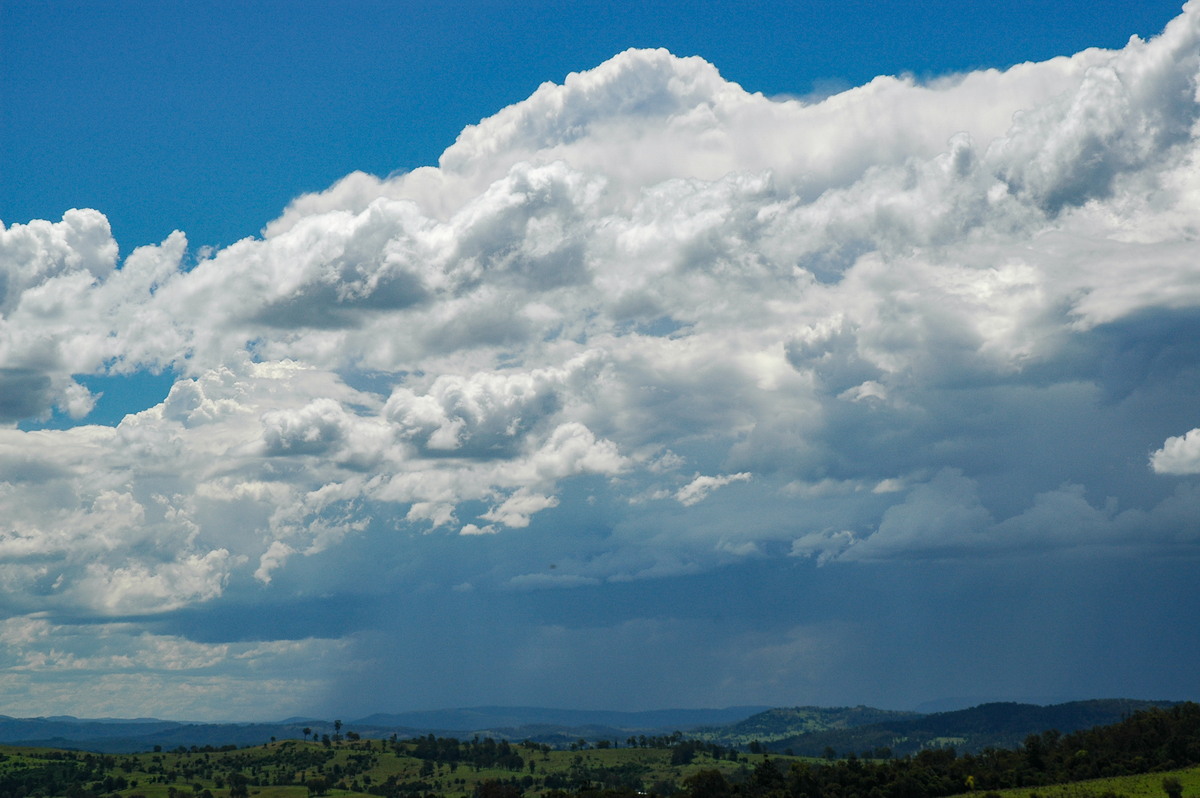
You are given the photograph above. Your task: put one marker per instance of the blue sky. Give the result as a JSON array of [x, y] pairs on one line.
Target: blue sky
[[834, 353]]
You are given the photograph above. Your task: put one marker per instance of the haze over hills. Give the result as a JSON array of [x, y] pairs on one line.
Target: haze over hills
[[492, 717], [551, 726], [808, 731]]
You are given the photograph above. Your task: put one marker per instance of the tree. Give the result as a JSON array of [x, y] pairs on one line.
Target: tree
[[238, 786], [1035, 751], [307, 731], [708, 783], [683, 754], [492, 788], [1172, 787]]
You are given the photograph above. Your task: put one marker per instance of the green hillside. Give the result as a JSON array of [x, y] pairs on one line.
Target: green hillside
[[1152, 748], [998, 725], [357, 767], [788, 722], [1145, 785]]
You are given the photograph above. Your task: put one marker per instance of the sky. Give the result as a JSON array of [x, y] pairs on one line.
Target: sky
[[368, 357]]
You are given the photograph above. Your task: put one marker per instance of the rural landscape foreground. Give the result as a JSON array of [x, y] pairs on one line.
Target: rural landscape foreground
[[1106, 749]]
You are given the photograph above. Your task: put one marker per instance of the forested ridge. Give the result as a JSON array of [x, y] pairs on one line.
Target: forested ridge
[[1149, 741], [992, 725]]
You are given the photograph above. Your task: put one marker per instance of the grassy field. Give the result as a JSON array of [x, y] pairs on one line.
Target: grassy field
[[281, 769], [1148, 785]]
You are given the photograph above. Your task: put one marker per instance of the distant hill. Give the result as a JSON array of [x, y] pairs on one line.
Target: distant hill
[[14, 730], [475, 718], [557, 727], [998, 725], [785, 723], [803, 730]]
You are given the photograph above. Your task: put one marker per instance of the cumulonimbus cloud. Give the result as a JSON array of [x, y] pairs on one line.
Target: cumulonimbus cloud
[[642, 273]]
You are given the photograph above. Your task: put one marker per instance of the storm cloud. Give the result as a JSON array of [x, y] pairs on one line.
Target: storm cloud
[[636, 332]]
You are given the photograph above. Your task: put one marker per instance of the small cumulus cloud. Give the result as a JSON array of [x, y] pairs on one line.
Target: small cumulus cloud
[[312, 429], [516, 509], [701, 486], [273, 558], [823, 545], [539, 581], [1178, 455], [139, 588]]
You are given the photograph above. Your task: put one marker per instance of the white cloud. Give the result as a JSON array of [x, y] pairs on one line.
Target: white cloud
[[824, 545], [1178, 455], [516, 509], [701, 486], [942, 515], [312, 429], [273, 558], [138, 588]]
